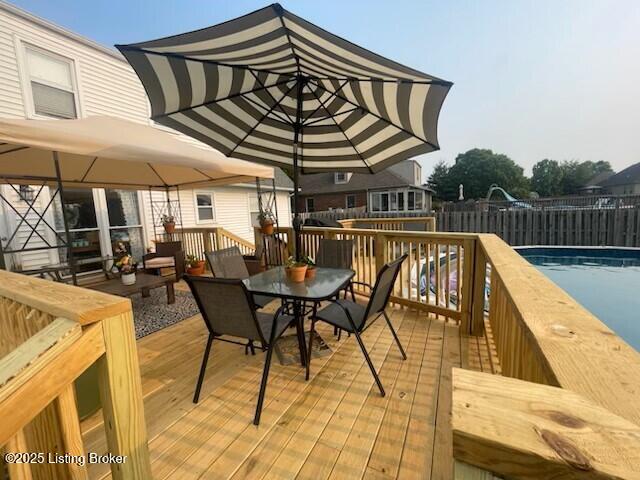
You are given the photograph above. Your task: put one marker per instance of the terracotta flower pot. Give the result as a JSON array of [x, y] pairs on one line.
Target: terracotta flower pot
[[296, 274], [267, 228], [310, 273], [197, 270], [169, 227]]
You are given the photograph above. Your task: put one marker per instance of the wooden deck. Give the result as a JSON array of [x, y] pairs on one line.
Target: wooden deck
[[336, 425]]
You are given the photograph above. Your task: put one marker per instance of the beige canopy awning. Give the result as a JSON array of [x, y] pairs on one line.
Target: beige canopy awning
[[110, 152]]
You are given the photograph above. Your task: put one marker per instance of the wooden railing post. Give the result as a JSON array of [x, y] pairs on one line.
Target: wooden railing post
[[381, 250], [469, 246], [218, 237], [121, 397], [479, 286], [206, 241]]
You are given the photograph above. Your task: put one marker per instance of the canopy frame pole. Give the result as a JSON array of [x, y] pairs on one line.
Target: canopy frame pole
[[67, 232], [297, 132]]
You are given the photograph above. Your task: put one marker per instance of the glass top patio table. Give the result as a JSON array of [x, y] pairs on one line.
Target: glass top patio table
[[274, 283]]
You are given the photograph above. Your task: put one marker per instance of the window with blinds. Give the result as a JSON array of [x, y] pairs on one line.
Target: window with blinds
[[52, 84]]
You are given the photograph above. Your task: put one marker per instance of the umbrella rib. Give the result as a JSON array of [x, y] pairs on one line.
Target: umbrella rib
[[217, 100], [260, 121], [201, 60], [262, 107], [443, 83], [272, 97], [320, 106], [343, 132], [17, 149], [408, 132], [280, 12], [318, 120]]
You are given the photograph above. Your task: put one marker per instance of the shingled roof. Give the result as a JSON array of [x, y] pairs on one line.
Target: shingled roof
[[316, 183], [625, 177]]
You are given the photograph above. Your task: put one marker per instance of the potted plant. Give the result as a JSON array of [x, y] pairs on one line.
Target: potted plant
[[195, 265], [127, 268], [169, 223], [311, 267], [266, 220], [296, 270]]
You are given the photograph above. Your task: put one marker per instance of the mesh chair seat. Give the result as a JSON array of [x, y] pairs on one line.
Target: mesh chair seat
[[262, 301], [336, 316], [265, 322]]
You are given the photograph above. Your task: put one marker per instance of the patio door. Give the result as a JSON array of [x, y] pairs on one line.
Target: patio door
[[124, 223]]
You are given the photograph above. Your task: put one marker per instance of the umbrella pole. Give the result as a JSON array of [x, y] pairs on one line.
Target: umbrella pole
[[297, 130]]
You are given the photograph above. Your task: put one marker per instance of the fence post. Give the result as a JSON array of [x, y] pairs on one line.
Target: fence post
[[381, 250], [479, 281]]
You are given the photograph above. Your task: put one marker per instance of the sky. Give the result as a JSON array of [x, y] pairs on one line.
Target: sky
[[532, 79]]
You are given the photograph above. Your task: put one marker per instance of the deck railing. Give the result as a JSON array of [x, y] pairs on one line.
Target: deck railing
[[196, 241], [539, 332], [50, 333]]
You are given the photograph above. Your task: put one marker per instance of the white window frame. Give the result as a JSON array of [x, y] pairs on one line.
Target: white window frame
[[197, 208], [341, 181], [346, 200], [25, 78], [306, 204]]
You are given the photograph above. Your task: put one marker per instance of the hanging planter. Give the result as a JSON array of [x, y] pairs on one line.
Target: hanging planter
[[266, 220], [169, 223]]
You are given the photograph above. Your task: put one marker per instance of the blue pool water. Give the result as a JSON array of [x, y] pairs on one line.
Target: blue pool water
[[604, 280]]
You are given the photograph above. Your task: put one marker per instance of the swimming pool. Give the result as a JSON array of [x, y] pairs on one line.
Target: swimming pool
[[606, 281]]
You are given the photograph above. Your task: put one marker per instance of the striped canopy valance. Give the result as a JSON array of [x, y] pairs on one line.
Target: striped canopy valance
[[235, 86]]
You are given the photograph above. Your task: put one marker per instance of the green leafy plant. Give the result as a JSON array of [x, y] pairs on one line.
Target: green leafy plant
[[193, 261], [293, 263], [309, 261], [125, 264], [266, 216]]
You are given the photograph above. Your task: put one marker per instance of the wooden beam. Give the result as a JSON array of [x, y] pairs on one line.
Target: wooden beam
[[121, 395], [18, 444], [21, 364], [523, 430], [479, 284], [71, 434], [573, 347], [45, 384]]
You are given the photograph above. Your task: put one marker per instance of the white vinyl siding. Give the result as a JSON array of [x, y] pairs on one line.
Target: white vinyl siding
[[105, 84]]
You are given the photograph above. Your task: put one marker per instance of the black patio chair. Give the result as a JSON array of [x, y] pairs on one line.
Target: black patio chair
[[227, 309], [354, 318], [336, 254], [229, 263]]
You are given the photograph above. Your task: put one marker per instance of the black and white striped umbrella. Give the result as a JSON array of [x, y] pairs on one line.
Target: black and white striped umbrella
[[260, 85]]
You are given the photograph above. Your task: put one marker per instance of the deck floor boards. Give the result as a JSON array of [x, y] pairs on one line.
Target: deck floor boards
[[334, 426]]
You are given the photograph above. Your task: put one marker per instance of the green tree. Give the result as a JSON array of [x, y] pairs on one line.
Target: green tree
[[547, 178], [477, 170], [577, 174], [440, 182]]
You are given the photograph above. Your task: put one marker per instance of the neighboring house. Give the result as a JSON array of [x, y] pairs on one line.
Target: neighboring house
[[625, 182], [594, 185], [396, 189], [49, 72]]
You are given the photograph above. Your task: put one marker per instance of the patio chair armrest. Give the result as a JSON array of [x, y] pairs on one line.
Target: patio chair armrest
[[363, 283]]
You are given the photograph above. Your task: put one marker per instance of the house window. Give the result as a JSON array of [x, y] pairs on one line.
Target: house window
[[350, 201], [310, 205], [205, 207], [52, 84], [341, 177], [414, 200]]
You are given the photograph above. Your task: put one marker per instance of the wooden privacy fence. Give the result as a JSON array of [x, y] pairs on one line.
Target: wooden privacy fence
[[50, 333], [589, 226], [418, 224]]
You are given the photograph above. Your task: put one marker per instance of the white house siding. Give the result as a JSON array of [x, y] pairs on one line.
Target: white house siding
[[231, 206], [106, 85]]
